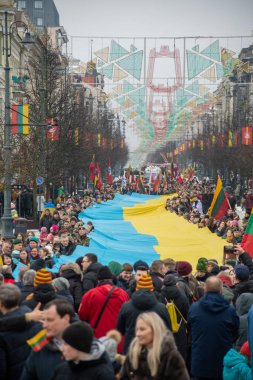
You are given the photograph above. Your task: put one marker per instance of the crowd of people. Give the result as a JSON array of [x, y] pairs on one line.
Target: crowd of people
[[166, 321]]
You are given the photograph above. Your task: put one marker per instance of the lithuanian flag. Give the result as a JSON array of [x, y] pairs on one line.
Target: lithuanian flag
[[220, 203], [247, 240], [38, 341]]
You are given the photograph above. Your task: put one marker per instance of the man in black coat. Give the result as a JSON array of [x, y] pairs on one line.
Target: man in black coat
[[41, 364], [13, 347], [85, 356], [213, 324], [90, 268], [142, 300]]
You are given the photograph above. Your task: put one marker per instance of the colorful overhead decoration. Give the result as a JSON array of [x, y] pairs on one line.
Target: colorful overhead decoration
[[161, 86]]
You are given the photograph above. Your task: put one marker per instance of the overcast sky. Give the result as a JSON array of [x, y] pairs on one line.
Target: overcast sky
[[156, 17]]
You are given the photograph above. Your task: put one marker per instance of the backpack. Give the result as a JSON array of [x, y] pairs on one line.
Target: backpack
[[172, 310]]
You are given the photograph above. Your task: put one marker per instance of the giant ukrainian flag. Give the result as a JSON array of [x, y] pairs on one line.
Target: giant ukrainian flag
[[137, 227]]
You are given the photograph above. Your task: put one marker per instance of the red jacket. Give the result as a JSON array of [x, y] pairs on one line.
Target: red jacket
[[92, 303]]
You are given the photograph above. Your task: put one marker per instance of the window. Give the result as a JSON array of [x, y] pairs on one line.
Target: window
[[21, 4], [39, 21], [38, 4]]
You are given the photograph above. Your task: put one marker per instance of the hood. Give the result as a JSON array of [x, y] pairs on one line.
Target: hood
[[171, 292], [94, 267], [244, 303], [106, 287], [69, 273], [73, 267], [233, 359], [96, 356], [213, 302], [144, 299]]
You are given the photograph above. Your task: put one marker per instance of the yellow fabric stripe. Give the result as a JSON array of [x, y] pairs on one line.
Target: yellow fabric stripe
[[177, 238]]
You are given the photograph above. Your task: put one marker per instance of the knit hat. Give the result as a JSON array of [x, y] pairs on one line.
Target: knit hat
[[145, 282], [104, 273], [245, 350], [79, 335], [183, 268], [202, 265], [42, 277], [17, 241], [54, 228], [43, 229], [140, 263], [33, 238], [242, 272], [38, 264], [61, 283], [115, 267]]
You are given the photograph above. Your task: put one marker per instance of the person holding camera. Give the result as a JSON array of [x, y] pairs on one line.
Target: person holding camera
[[243, 272]]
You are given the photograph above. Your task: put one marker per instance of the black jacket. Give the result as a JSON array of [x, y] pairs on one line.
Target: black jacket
[[13, 347], [42, 293], [142, 300], [42, 364], [67, 250], [90, 277], [242, 287], [98, 367], [76, 287], [172, 293]]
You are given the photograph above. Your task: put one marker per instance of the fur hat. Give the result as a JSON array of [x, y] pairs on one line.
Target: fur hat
[[79, 335], [183, 268]]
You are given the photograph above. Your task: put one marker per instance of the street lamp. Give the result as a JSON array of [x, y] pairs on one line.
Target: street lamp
[[7, 226]]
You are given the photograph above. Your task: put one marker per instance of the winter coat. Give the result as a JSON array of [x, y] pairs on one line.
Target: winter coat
[[92, 303], [246, 259], [13, 347], [171, 292], [40, 365], [98, 367], [42, 293], [213, 324], [243, 304], [90, 277], [46, 221], [171, 367], [242, 287], [121, 283], [142, 301], [74, 276], [236, 366]]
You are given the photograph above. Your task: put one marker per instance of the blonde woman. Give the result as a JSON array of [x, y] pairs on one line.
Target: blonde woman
[[153, 354]]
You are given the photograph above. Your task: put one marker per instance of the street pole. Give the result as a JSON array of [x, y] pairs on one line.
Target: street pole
[[7, 225]]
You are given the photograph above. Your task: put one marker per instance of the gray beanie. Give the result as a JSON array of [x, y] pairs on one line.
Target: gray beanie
[[60, 283]]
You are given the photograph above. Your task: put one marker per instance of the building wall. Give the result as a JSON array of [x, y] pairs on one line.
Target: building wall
[[41, 17]]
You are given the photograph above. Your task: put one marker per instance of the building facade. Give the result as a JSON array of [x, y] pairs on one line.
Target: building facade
[[43, 13]]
